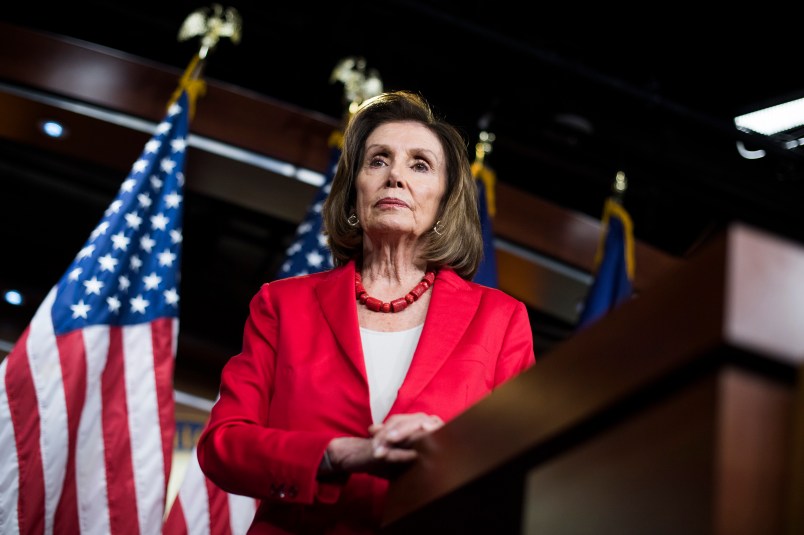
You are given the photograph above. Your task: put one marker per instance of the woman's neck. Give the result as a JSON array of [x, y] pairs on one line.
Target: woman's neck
[[391, 266], [388, 282]]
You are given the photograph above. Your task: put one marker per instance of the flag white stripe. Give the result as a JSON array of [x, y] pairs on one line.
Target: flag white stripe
[[174, 328], [90, 466], [194, 498], [241, 513], [9, 476], [144, 426], [43, 357]]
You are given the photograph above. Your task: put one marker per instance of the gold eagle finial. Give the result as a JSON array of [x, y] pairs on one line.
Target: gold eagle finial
[[212, 23], [358, 84]]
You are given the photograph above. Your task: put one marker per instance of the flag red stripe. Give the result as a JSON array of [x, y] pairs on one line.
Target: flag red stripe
[[72, 356], [162, 330], [117, 440], [175, 523], [218, 510], [25, 414]]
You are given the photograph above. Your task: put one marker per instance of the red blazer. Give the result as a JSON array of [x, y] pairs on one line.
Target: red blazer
[[300, 381]]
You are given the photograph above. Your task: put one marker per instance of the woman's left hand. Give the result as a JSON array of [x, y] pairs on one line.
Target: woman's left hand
[[392, 440]]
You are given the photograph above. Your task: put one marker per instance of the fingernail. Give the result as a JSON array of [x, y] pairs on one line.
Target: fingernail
[[393, 433], [379, 451]]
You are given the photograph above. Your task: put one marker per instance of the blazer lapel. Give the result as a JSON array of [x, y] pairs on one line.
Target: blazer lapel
[[336, 297], [451, 308]]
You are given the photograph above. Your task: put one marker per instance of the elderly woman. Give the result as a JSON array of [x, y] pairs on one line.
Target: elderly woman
[[342, 371]]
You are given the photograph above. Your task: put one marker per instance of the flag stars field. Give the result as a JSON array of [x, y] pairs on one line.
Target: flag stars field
[[140, 256]]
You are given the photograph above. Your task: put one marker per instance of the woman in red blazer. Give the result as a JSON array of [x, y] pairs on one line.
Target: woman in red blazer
[[342, 371]]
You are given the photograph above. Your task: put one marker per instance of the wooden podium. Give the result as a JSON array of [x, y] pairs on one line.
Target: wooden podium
[[681, 412]]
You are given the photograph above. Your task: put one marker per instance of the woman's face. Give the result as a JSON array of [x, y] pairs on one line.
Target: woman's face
[[401, 180]]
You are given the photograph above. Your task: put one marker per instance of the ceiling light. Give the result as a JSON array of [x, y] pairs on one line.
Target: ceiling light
[[773, 119], [53, 129], [13, 297]]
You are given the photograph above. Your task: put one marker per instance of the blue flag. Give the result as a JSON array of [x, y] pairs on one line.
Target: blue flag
[[309, 252], [614, 265], [487, 272]]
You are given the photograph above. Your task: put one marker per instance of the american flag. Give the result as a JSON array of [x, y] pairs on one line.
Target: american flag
[[309, 252], [202, 508], [86, 400]]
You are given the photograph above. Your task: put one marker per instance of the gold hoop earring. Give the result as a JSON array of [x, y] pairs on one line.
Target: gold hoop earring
[[353, 221], [438, 228]]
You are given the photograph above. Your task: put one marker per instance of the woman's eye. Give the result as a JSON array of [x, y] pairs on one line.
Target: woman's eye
[[421, 166], [376, 162]]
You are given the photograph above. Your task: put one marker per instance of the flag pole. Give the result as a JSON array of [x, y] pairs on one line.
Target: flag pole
[[481, 172], [614, 207]]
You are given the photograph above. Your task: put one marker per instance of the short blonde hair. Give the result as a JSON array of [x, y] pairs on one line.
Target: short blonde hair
[[459, 243]]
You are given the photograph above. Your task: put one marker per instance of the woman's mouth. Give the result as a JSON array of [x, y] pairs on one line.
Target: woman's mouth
[[391, 202]]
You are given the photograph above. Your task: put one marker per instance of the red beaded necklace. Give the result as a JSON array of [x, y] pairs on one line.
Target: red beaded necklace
[[397, 305]]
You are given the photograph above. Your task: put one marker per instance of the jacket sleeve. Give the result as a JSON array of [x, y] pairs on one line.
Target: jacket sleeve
[[238, 450], [516, 354]]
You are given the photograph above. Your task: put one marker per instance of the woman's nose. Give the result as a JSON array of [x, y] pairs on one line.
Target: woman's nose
[[395, 177]]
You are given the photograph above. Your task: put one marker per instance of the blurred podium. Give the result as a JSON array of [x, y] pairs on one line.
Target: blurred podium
[[680, 412]]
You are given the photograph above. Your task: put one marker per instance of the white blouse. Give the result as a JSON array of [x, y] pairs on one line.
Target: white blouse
[[387, 357]]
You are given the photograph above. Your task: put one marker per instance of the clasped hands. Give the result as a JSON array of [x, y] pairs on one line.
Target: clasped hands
[[389, 446]]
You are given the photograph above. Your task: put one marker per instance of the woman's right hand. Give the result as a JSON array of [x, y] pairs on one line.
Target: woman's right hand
[[352, 455], [389, 448]]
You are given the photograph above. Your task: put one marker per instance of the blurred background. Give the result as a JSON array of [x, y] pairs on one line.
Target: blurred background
[[572, 97]]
